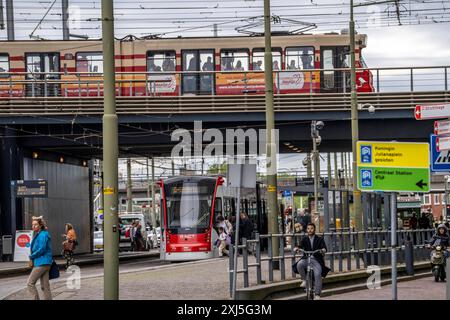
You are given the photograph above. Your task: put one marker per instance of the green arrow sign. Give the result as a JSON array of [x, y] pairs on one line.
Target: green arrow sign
[[393, 179]]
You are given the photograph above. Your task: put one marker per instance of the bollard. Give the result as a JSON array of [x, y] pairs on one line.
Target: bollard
[[231, 268], [447, 271], [409, 257]]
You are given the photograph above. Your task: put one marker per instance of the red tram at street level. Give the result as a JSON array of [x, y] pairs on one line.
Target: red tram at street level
[[188, 217]]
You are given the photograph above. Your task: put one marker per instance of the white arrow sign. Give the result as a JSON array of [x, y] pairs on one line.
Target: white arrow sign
[[442, 143], [432, 111], [442, 128]]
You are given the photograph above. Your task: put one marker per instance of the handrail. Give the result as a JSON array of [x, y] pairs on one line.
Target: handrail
[[344, 249], [224, 71]]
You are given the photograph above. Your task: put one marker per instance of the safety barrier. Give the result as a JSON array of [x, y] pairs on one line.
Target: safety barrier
[[347, 250]]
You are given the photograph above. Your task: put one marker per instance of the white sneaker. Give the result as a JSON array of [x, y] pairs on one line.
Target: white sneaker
[[303, 284], [316, 297]]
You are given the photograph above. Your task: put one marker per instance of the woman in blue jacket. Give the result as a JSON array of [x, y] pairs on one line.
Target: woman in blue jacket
[[41, 257]]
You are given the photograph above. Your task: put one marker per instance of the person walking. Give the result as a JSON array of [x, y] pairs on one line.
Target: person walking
[[138, 238], [132, 236], [71, 237], [40, 259]]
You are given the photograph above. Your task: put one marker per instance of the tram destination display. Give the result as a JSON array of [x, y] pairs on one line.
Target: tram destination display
[[30, 188]]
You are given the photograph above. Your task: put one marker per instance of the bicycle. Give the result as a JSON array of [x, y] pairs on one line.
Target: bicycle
[[309, 288]]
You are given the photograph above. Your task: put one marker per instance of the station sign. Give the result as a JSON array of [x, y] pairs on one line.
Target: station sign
[[393, 166], [434, 111], [442, 127], [30, 188], [442, 144], [440, 161]]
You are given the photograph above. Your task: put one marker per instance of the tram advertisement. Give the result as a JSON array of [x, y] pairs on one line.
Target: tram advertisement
[[238, 83]]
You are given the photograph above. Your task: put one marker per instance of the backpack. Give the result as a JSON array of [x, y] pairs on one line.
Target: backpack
[[127, 233]]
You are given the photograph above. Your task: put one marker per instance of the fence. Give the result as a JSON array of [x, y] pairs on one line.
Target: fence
[[347, 251], [132, 84]]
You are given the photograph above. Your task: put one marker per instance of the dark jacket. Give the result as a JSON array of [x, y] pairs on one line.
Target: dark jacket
[[319, 243], [444, 240], [246, 229]]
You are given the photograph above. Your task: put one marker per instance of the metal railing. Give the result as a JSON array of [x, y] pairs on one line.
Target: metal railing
[[345, 252], [90, 84]]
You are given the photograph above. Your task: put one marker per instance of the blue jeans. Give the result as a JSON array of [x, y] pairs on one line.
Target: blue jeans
[[316, 268]]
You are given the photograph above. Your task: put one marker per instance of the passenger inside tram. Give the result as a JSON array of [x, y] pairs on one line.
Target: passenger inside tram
[[168, 65], [258, 66], [239, 66], [208, 65], [276, 67], [292, 65], [307, 61]]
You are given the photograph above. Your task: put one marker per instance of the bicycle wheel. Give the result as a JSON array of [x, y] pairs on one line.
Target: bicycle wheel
[[311, 285]]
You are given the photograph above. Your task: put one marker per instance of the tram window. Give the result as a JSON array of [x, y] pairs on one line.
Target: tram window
[[161, 61], [258, 60], [218, 207], [300, 58], [4, 64], [234, 60], [228, 207], [89, 62]]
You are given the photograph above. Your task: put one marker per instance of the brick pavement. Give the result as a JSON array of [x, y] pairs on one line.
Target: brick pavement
[[420, 289]]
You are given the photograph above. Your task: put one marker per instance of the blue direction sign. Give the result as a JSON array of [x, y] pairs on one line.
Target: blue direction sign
[[287, 193], [440, 161]]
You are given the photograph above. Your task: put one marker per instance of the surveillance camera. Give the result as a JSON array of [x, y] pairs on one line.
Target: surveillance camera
[[371, 109], [319, 125], [305, 161], [318, 140]]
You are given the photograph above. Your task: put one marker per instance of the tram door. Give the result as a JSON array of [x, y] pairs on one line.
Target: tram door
[[198, 83], [335, 58], [40, 71]]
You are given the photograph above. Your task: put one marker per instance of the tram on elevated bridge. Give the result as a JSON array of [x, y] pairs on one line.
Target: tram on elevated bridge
[[304, 63]]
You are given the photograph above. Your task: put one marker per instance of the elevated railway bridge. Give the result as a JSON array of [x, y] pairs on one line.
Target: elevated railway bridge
[[39, 120]]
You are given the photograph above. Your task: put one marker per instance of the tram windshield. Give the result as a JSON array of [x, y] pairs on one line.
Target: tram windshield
[[189, 205]]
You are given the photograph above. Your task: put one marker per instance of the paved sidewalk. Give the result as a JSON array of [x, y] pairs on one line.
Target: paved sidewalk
[[193, 280], [14, 268], [420, 289]]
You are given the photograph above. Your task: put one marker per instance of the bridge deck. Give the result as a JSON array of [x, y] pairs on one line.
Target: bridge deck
[[212, 104]]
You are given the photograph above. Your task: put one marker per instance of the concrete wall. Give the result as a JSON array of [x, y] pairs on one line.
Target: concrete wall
[[67, 202]]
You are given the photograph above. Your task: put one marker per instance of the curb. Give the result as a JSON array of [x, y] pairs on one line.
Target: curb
[[272, 290]]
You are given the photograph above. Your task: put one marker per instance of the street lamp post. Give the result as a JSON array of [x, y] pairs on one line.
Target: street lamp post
[[316, 139]]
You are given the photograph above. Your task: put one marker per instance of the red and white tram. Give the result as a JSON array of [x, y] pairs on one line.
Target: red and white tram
[[188, 216]]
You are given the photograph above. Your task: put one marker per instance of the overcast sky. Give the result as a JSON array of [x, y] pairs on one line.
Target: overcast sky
[[421, 40]]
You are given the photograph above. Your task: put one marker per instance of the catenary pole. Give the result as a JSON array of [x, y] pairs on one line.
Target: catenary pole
[[110, 158], [271, 161]]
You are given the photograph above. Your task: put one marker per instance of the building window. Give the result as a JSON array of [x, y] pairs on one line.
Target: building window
[[161, 61], [437, 199], [234, 60], [426, 199], [4, 65], [90, 62], [300, 58], [258, 60]]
